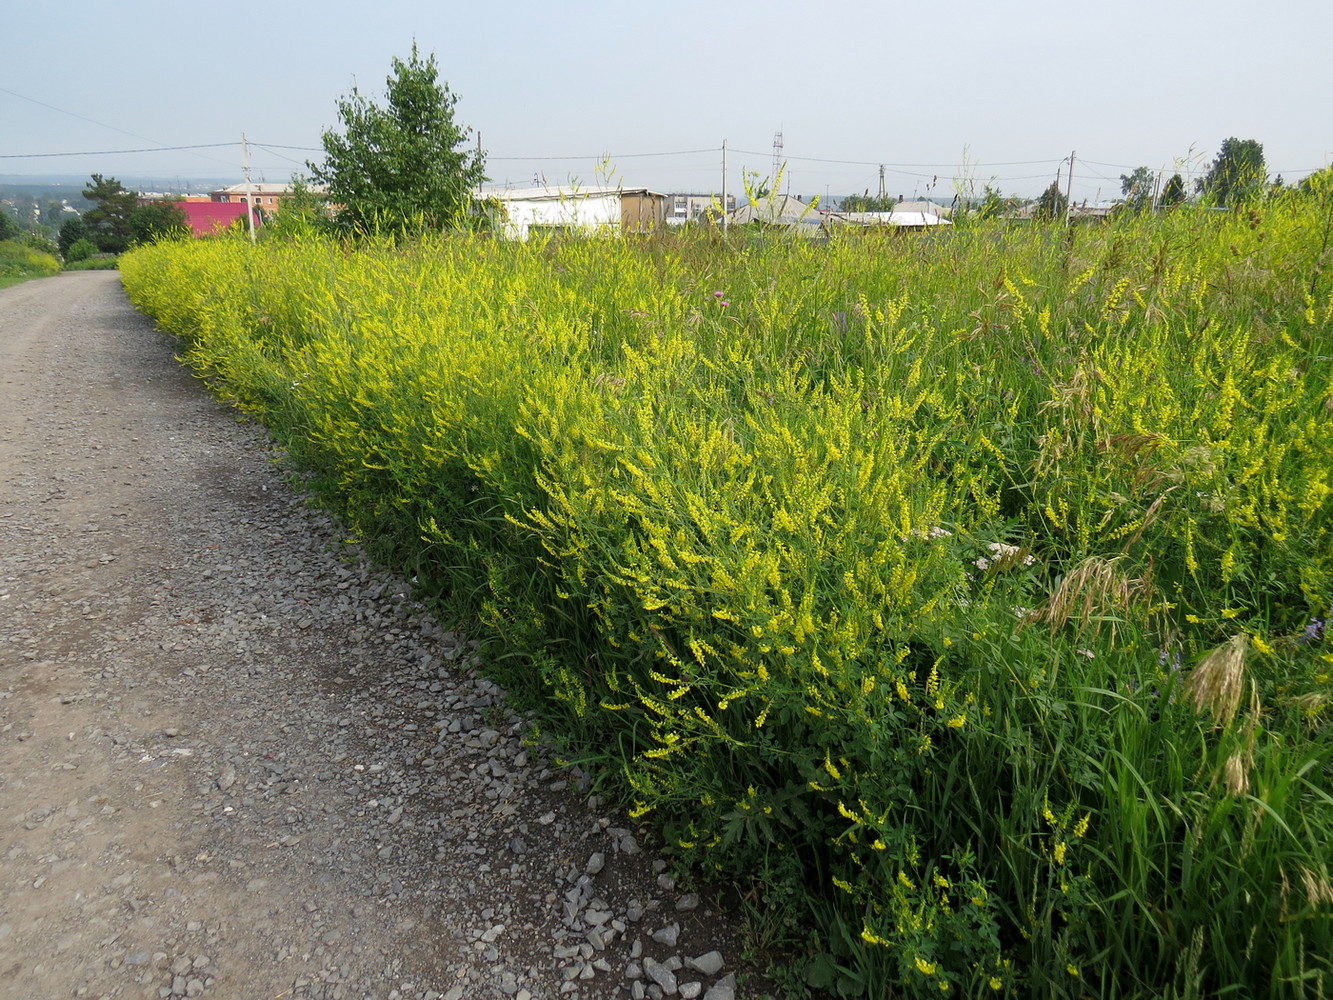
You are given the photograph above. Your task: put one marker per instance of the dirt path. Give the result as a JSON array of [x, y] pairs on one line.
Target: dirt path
[[232, 762]]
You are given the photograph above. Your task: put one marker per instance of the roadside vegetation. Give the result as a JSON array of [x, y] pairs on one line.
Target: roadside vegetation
[[21, 260], [963, 598]]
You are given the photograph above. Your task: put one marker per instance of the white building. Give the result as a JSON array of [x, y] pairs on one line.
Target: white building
[[689, 207], [524, 212]]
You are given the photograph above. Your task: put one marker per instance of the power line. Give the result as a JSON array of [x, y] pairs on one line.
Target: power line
[[609, 156], [113, 152], [82, 118], [93, 121], [876, 163]]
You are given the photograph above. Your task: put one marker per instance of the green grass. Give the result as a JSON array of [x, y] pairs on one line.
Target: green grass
[[107, 262], [956, 592], [20, 263]]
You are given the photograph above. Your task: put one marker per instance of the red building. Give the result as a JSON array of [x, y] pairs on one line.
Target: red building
[[206, 218]]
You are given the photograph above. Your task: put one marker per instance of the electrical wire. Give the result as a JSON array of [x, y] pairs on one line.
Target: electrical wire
[[113, 152]]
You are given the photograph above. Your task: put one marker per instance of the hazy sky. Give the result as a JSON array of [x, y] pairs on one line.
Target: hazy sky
[[999, 91]]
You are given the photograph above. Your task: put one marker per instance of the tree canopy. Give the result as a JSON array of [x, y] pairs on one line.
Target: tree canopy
[[1237, 174], [868, 203], [109, 220], [157, 220], [1173, 193], [1052, 204], [404, 166], [1137, 188]]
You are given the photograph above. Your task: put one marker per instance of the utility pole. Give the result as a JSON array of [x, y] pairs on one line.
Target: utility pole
[[249, 197], [881, 182], [724, 185], [1069, 189]]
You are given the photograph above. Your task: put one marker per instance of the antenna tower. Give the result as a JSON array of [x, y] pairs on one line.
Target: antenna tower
[[777, 156]]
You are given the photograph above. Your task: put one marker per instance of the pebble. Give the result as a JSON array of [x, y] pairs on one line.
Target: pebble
[[661, 975], [709, 964], [667, 935]]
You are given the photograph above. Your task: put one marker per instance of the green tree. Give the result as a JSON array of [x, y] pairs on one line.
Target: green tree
[[1052, 204], [868, 203], [52, 213], [21, 210], [109, 219], [157, 220], [305, 210], [1137, 189], [406, 166], [1237, 175], [993, 204], [9, 227], [1173, 193], [72, 230], [80, 250]]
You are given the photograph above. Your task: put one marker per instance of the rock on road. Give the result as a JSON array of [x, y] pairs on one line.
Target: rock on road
[[238, 762]]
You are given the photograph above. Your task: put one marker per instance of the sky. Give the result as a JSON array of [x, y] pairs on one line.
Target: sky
[[959, 95]]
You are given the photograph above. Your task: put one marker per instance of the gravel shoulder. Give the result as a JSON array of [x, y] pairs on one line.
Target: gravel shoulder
[[238, 762]]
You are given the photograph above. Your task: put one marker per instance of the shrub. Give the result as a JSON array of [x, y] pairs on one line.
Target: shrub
[[80, 250], [19, 262]]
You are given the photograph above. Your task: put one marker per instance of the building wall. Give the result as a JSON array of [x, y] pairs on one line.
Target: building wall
[[590, 213], [642, 212], [266, 197], [688, 207]]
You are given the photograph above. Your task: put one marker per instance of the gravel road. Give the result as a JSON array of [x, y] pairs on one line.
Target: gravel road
[[236, 761]]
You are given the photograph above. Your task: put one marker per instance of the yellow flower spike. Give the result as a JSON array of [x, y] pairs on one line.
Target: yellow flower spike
[[834, 773], [924, 967], [1060, 850], [870, 937], [1081, 827]]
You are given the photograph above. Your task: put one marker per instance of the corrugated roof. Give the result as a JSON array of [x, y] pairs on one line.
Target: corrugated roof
[[560, 193], [777, 211], [256, 188], [894, 218]]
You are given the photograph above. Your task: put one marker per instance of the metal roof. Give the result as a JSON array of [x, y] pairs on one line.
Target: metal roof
[[560, 193]]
